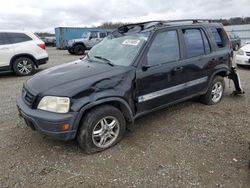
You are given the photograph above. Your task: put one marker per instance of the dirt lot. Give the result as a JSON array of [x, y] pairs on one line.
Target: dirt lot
[[186, 145]]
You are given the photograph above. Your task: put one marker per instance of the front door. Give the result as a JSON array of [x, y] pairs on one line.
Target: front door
[[161, 79]]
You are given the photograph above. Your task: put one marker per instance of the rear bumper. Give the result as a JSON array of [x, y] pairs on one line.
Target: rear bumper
[[242, 60], [42, 61], [48, 123]]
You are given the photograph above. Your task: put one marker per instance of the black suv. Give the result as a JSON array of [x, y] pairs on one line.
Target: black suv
[[138, 69]]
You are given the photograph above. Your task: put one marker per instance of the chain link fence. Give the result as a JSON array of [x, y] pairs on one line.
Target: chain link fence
[[243, 31]]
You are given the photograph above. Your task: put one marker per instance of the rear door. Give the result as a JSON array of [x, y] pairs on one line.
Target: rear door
[[161, 79], [6, 50], [198, 56], [20, 42], [221, 48]]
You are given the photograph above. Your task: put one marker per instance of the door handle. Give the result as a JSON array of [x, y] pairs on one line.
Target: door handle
[[178, 69]]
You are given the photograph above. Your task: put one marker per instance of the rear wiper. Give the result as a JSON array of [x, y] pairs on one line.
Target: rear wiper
[[105, 60]]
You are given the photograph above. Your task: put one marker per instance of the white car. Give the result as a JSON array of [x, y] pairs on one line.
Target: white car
[[21, 52], [242, 56]]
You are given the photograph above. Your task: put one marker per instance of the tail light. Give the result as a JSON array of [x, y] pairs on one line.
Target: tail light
[[42, 45]]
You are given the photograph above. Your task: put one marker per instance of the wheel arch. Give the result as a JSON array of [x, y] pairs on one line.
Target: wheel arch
[[223, 72], [15, 57], [117, 102], [81, 43]]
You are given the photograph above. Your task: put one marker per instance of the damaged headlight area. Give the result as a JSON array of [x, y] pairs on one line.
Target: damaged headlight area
[[54, 104], [240, 52]]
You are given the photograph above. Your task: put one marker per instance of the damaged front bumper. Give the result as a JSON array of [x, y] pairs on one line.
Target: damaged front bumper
[[48, 123]]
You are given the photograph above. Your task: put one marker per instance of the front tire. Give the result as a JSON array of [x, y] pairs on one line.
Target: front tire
[[71, 51], [79, 49], [215, 91], [101, 128], [23, 66]]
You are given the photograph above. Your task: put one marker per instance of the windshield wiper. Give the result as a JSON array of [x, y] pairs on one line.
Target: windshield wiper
[[104, 60]]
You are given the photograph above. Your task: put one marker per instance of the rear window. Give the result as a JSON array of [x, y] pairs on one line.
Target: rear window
[[18, 37], [219, 37], [196, 42], [3, 39]]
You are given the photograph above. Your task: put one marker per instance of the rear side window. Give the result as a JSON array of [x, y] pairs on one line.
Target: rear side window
[[18, 37], [194, 42], [3, 39], [103, 35], [219, 37], [164, 48]]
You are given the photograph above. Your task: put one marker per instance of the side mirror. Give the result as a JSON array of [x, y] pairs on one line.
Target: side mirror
[[147, 66]]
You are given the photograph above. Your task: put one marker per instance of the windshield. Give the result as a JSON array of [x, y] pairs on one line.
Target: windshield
[[120, 50]]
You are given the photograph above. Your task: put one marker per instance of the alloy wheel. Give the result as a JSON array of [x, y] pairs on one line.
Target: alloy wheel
[[105, 132], [24, 67], [217, 92]]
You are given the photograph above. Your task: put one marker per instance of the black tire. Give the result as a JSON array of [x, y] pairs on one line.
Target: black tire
[[71, 51], [23, 66], [79, 49], [209, 97], [94, 119]]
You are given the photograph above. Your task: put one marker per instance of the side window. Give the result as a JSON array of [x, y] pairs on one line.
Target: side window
[[93, 35], [3, 39], [194, 42], [18, 37], [102, 35], [164, 48], [219, 37]]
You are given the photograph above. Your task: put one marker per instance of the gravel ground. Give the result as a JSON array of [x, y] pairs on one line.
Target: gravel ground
[[186, 145]]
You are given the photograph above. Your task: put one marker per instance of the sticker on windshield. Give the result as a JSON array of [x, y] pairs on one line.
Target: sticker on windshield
[[131, 42]]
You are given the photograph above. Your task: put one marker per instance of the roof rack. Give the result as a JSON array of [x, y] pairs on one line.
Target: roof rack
[[187, 20], [157, 23]]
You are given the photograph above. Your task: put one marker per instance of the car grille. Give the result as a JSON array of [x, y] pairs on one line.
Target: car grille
[[28, 97], [248, 53]]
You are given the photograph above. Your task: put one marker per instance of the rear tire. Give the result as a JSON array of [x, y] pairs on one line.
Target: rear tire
[[79, 49], [215, 91], [101, 128], [23, 66]]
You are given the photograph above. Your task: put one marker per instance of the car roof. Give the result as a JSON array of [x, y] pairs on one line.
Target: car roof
[[15, 31]]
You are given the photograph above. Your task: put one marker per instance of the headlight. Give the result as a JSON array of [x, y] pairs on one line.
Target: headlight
[[240, 52], [70, 42], [54, 104]]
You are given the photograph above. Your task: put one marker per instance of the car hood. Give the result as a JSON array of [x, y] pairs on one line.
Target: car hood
[[246, 48], [70, 79]]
